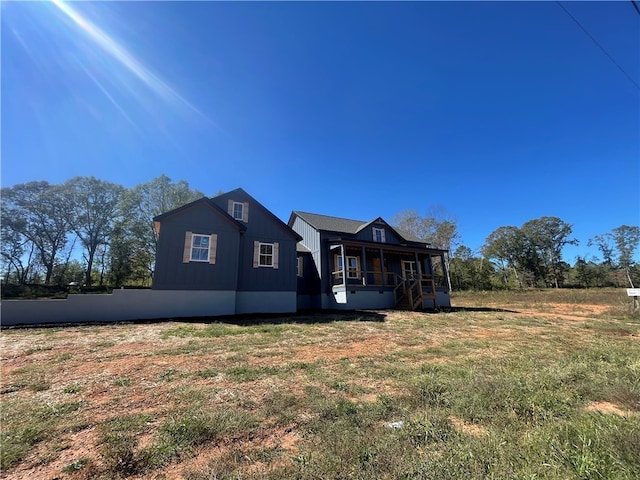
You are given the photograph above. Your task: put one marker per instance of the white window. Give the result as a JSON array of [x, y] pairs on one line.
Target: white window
[[238, 210], [353, 267], [199, 247], [409, 269], [265, 255], [378, 234]]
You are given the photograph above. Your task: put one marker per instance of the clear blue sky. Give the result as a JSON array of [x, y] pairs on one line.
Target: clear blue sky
[[501, 112]]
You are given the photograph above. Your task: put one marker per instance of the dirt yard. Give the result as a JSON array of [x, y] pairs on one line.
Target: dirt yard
[[153, 370]]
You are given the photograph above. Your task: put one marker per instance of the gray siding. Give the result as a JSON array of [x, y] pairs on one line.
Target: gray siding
[[309, 283], [263, 226], [119, 306], [310, 239], [391, 238], [265, 302], [172, 274]]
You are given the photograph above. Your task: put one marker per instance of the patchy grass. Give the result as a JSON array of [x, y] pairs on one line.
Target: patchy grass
[[529, 384]]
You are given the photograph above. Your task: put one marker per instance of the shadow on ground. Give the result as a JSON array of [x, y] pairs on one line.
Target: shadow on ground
[[308, 317], [472, 309], [247, 320]]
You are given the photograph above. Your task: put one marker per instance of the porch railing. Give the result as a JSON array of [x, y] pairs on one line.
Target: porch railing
[[408, 293], [365, 278]]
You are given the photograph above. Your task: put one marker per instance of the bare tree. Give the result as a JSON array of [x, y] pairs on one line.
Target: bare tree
[[438, 227], [92, 207], [37, 211]]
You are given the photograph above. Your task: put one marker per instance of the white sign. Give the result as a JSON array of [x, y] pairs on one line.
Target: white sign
[[633, 292]]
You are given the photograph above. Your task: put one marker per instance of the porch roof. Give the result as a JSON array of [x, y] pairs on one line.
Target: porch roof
[[386, 247], [345, 225]]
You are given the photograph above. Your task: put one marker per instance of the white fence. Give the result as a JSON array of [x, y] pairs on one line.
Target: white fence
[[121, 305]]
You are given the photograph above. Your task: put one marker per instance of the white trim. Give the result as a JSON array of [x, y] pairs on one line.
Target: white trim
[[199, 248], [412, 270], [240, 212], [266, 255], [375, 231], [351, 272]]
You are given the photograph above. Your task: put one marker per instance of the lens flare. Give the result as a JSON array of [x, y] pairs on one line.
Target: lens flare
[[126, 59]]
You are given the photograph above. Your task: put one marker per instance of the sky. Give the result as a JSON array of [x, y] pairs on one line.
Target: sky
[[495, 112]]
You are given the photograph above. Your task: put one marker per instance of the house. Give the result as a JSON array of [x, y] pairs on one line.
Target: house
[[231, 247], [356, 264]]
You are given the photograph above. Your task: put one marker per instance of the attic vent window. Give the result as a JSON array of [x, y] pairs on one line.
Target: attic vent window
[[378, 235], [238, 211]]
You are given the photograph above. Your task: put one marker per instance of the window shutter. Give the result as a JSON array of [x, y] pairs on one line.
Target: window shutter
[[230, 207], [245, 212], [383, 235], [186, 253], [256, 254], [275, 255], [213, 245]]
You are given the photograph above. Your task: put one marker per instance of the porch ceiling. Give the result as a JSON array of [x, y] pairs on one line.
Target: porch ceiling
[[387, 248]]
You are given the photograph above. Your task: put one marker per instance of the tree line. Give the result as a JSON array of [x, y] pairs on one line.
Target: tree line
[[529, 255], [44, 225]]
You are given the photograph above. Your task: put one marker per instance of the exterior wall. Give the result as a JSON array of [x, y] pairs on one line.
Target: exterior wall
[[443, 299], [265, 302], [310, 239], [263, 226], [121, 305], [308, 302], [360, 300], [172, 274], [390, 237], [309, 282]]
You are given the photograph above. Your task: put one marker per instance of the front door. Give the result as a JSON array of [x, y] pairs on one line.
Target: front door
[[409, 271]]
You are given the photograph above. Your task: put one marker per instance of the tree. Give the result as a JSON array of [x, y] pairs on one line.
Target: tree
[[618, 247], [506, 246], [92, 207], [626, 239], [548, 236], [589, 274], [438, 228], [16, 253], [136, 242], [36, 210], [469, 271]]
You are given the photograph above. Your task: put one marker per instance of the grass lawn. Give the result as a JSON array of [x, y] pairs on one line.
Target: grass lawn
[[509, 385]]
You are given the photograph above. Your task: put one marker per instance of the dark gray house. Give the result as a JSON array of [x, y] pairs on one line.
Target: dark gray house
[[232, 247], [356, 264]]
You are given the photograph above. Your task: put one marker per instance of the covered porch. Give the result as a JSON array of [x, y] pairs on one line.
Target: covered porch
[[408, 277]]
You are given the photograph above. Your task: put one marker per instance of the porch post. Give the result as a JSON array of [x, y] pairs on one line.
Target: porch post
[[384, 273], [363, 266], [344, 265]]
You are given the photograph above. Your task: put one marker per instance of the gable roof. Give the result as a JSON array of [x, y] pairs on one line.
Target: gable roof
[[345, 225], [332, 224], [279, 222], [201, 201]]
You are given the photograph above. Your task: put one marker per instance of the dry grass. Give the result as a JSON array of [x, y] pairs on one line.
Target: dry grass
[[272, 399]]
